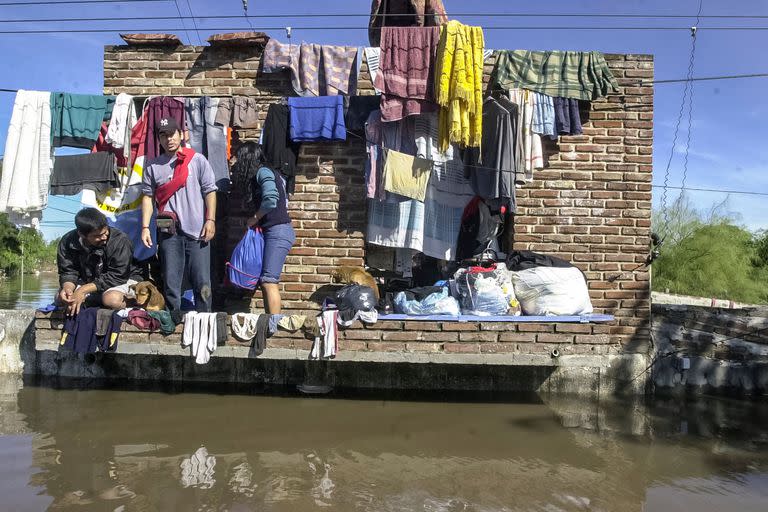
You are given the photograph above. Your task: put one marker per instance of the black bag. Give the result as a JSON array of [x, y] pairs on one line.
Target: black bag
[[355, 297], [523, 260]]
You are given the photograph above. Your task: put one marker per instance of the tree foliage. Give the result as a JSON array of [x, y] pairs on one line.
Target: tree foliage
[[37, 254], [707, 254]]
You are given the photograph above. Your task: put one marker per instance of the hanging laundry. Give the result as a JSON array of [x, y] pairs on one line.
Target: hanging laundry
[[238, 112], [479, 230], [158, 108], [198, 470], [280, 152], [76, 119], [406, 71], [207, 137], [373, 127], [395, 221], [291, 323], [493, 169], [327, 343], [543, 115], [415, 13], [28, 159], [577, 75], [122, 204], [82, 332], [259, 343], [567, 117], [448, 191], [200, 334], [121, 123], [316, 70], [92, 171], [372, 58], [459, 84], [532, 154], [244, 326], [317, 119], [360, 107], [406, 175]]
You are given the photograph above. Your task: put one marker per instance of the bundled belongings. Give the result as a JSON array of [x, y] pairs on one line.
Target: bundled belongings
[[355, 302], [437, 303], [486, 291], [547, 286]]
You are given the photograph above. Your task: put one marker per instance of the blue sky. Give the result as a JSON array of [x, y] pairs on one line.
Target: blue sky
[[724, 153]]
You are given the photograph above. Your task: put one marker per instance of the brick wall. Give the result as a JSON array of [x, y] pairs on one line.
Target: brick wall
[[591, 205]]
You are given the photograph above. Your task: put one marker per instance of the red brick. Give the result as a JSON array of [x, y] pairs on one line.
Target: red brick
[[462, 348]]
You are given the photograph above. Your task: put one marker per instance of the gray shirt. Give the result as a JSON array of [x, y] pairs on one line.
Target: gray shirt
[[188, 202]]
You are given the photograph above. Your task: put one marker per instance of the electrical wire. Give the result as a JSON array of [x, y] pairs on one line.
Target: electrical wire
[[355, 15], [194, 23], [691, 62], [65, 2], [180, 17], [229, 29], [718, 190], [665, 193]]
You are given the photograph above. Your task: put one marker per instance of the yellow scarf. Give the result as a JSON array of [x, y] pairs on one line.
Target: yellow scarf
[[459, 84]]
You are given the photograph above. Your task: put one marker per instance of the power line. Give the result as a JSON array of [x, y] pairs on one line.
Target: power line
[[491, 28], [65, 2], [180, 17], [719, 190], [194, 23], [60, 210], [361, 15]]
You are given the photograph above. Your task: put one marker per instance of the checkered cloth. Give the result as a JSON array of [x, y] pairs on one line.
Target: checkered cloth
[[337, 65], [577, 75]]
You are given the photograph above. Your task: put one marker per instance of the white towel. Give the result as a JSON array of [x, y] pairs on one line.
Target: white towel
[[120, 124], [372, 57], [244, 325], [197, 470], [200, 333], [28, 159]]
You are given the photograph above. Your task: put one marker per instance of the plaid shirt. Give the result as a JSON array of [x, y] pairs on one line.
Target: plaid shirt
[[577, 75]]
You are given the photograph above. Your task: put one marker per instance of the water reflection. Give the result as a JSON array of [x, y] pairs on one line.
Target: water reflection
[[103, 450], [32, 291]]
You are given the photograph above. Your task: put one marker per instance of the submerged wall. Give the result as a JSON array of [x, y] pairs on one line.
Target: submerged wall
[[591, 205]]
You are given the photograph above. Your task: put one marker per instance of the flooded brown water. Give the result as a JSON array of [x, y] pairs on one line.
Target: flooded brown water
[[83, 450]]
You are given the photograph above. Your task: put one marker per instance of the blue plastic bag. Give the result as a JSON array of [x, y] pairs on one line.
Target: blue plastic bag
[[244, 268], [438, 303]]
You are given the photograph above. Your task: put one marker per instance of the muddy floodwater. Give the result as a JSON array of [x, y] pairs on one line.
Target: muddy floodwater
[[83, 450]]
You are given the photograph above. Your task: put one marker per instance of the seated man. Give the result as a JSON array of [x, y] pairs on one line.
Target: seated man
[[95, 264]]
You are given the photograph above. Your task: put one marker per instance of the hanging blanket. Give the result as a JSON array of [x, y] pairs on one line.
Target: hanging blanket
[[459, 82], [577, 75], [316, 70]]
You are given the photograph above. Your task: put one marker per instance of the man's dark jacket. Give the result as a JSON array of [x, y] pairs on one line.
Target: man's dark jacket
[[106, 267]]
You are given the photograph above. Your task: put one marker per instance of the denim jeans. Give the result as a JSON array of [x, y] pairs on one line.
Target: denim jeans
[[278, 240], [180, 254], [207, 137]]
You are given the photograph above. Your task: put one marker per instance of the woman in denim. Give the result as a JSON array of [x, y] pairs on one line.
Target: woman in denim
[[265, 195]]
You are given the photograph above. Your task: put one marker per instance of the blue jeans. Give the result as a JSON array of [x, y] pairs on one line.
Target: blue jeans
[[180, 254], [278, 240], [207, 137]]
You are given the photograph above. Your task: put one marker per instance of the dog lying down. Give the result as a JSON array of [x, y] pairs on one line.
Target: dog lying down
[[148, 296]]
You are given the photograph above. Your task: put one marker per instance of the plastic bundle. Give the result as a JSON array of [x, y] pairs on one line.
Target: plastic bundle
[[440, 303]]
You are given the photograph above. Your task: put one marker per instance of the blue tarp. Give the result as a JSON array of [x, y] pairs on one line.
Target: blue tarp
[[583, 319]]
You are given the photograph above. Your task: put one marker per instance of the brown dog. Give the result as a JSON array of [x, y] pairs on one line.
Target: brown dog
[[347, 275], [148, 296]]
